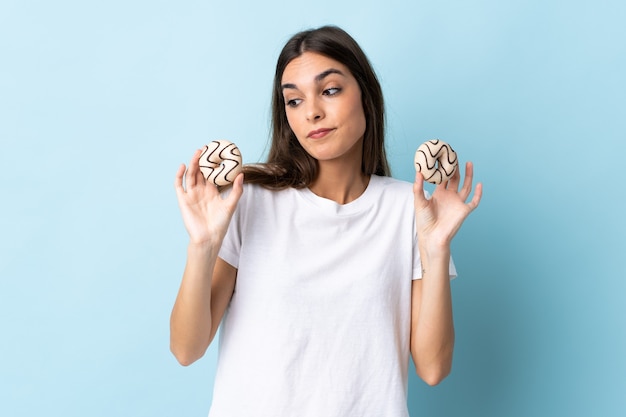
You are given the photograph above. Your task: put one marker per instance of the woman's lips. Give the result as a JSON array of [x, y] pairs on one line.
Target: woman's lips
[[319, 133]]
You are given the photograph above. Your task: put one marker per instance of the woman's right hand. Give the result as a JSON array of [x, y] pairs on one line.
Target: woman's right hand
[[205, 213]]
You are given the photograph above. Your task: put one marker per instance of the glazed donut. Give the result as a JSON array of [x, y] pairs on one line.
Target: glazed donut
[[220, 162], [436, 160]]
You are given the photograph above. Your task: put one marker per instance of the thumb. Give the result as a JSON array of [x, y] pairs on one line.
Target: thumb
[[418, 191], [235, 193]]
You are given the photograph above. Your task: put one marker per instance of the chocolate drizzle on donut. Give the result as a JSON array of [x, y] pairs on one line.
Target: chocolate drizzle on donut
[[436, 160], [220, 162]]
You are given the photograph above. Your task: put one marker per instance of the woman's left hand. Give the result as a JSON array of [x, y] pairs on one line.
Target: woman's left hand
[[440, 217]]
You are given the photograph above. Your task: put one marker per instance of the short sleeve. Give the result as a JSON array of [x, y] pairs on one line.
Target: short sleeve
[[417, 266], [231, 246]]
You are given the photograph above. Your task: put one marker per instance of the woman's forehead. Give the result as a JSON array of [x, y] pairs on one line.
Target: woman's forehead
[[310, 65]]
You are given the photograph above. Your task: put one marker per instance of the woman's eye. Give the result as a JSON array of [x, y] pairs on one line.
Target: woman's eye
[[293, 102], [331, 91]]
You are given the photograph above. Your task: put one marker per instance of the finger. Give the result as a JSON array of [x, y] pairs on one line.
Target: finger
[[453, 184], [467, 181], [478, 194], [441, 186], [200, 178], [194, 169], [418, 191], [235, 193], [178, 181]]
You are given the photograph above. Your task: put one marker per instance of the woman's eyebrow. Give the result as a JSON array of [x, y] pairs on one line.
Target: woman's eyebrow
[[326, 73], [318, 78]]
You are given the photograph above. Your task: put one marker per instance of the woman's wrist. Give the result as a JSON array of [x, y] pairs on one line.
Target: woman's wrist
[[205, 249], [206, 241], [201, 259], [433, 254]]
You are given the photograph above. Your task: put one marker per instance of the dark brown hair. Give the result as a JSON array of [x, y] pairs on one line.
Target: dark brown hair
[[288, 164]]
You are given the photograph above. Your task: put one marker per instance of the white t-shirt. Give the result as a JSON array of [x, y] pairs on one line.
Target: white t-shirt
[[319, 322]]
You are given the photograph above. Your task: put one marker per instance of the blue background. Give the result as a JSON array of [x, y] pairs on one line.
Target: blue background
[[101, 101]]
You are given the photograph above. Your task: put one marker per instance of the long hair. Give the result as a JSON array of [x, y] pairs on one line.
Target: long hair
[[288, 164]]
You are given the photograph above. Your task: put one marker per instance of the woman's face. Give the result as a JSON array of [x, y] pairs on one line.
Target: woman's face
[[324, 108]]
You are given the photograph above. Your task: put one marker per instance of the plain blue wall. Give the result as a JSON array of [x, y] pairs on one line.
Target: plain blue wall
[[100, 102]]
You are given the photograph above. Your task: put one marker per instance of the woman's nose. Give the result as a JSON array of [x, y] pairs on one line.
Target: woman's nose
[[314, 111]]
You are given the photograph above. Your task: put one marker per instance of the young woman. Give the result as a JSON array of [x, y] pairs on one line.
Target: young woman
[[325, 273]]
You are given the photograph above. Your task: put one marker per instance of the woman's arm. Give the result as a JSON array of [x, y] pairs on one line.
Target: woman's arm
[[437, 219], [208, 281], [432, 327], [205, 291]]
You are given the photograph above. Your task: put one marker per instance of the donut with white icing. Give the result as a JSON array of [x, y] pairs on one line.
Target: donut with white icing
[[436, 160], [220, 162]]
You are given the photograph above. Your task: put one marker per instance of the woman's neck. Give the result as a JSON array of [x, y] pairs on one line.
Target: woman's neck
[[339, 183]]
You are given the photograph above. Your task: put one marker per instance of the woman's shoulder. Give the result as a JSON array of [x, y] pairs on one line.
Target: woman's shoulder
[[251, 192], [261, 190], [390, 192], [391, 185], [258, 194], [391, 180]]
